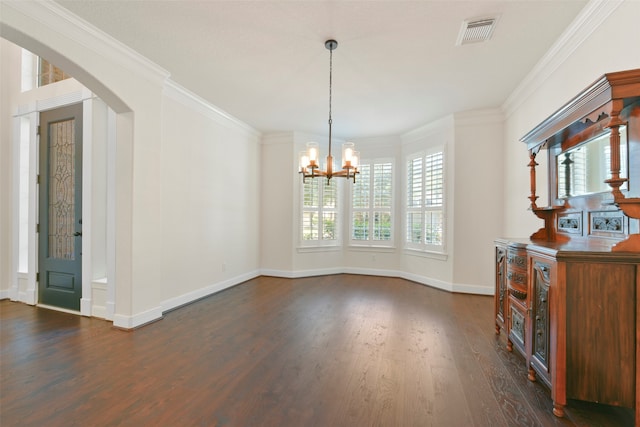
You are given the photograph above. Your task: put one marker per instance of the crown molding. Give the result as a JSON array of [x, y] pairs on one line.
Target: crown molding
[[479, 117], [277, 138], [587, 21], [189, 99], [50, 15], [437, 127]]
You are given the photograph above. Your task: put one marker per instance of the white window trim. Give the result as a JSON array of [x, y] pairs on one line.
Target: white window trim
[[442, 256], [424, 249], [375, 248], [386, 244], [320, 245]]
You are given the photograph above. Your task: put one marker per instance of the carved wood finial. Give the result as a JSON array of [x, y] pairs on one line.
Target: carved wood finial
[[630, 206], [615, 182], [532, 178]]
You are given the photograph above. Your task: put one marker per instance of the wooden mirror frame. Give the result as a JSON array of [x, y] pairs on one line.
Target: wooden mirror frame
[[600, 106]]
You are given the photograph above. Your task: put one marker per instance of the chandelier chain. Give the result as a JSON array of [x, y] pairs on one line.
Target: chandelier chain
[[330, 87]]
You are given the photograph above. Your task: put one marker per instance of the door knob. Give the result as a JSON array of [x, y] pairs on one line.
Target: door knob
[[77, 233]]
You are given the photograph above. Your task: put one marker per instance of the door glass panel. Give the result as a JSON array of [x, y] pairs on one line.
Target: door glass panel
[[62, 190]]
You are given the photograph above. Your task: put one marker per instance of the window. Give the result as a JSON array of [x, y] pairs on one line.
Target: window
[[319, 222], [49, 73], [425, 202], [38, 72], [372, 202]]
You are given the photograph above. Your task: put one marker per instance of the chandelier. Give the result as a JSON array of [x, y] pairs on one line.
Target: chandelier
[[309, 159]]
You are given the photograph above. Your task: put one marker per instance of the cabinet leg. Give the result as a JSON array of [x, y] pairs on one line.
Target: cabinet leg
[[558, 410], [532, 376], [509, 345]]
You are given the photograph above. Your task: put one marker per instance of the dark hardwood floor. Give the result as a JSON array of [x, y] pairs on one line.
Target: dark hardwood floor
[[340, 350]]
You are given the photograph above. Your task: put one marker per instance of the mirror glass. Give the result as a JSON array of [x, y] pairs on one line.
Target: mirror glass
[[584, 168]]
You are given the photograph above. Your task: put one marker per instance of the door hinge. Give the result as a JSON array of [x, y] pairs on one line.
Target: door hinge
[[37, 277], [38, 130], [37, 228], [38, 179]]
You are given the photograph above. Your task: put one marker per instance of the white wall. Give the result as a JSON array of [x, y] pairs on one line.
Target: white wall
[[478, 197], [578, 59], [151, 124], [210, 200], [8, 89], [473, 213], [277, 219]]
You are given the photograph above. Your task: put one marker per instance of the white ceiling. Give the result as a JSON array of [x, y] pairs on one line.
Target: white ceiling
[[396, 67]]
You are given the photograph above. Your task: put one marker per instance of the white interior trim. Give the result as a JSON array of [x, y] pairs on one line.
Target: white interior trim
[[32, 111], [189, 297], [588, 20], [477, 289], [87, 206], [137, 320]]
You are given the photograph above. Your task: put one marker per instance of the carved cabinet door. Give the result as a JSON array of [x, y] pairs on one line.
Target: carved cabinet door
[[540, 274]]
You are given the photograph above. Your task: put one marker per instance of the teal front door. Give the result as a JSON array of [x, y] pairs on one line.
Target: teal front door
[[60, 208]]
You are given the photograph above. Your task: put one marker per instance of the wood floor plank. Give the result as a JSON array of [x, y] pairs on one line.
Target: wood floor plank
[[341, 350]]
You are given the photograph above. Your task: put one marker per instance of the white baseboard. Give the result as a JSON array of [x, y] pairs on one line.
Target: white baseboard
[[296, 274], [192, 296], [85, 307], [30, 297], [424, 280], [99, 311], [137, 320], [428, 281], [464, 288], [110, 310]]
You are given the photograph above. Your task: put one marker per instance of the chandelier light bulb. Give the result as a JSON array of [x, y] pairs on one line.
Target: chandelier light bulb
[[347, 155], [312, 152], [304, 161], [355, 158]]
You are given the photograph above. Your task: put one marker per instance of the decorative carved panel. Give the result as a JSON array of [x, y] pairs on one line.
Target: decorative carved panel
[[517, 260], [502, 280], [519, 278], [570, 222], [517, 326], [607, 223], [541, 312]]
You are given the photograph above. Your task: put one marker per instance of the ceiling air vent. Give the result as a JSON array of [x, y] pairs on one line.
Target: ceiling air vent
[[476, 30]]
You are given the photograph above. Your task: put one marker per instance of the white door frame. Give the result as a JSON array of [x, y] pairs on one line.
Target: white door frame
[[32, 112]]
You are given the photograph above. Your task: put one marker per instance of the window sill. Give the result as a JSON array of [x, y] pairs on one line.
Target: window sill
[[441, 256], [371, 248], [307, 249]]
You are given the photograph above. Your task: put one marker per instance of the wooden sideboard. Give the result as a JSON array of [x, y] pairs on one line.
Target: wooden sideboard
[[571, 310], [567, 296]]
